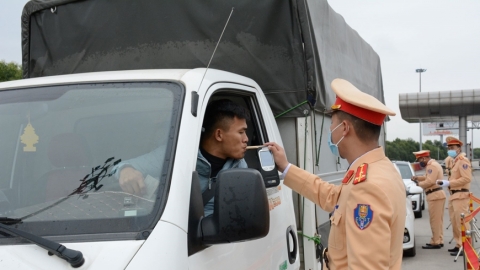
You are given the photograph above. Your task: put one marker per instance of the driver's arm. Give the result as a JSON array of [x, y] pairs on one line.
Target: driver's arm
[[130, 173]]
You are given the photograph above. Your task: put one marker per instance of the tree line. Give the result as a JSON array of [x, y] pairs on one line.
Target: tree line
[[402, 149], [10, 71], [476, 153]]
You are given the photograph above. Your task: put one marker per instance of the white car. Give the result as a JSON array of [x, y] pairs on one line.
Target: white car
[[418, 200], [409, 232]]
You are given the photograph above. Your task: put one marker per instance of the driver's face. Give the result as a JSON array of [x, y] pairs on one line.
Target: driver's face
[[235, 139]]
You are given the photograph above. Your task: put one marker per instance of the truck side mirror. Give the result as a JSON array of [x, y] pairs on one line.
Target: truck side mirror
[[240, 209]]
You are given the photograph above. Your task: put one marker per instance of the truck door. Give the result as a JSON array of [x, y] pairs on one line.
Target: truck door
[[277, 250]]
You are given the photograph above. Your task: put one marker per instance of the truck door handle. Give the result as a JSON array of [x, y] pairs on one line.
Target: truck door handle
[[292, 255]]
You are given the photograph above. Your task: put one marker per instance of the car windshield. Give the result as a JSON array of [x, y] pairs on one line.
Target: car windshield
[[405, 170], [62, 149]]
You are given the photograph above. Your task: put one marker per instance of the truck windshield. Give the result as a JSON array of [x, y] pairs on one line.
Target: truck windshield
[[64, 148]]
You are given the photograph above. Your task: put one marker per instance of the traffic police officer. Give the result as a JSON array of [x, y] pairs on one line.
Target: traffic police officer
[[368, 221], [435, 196], [459, 186]]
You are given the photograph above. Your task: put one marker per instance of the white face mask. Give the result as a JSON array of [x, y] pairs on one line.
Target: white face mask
[[334, 147]]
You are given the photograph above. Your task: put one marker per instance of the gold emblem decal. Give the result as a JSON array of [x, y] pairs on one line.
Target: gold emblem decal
[[336, 106], [361, 174], [29, 138]]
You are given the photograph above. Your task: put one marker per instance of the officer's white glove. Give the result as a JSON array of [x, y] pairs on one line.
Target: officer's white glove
[[443, 183]]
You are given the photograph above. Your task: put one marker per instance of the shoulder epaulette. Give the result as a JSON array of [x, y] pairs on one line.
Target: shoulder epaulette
[[348, 177], [361, 174]]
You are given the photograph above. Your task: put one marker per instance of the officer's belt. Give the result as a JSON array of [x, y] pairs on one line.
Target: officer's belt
[[325, 257], [459, 190], [432, 190]]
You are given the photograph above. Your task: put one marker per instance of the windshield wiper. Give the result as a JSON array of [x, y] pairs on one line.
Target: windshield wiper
[[73, 257], [88, 183], [10, 221]]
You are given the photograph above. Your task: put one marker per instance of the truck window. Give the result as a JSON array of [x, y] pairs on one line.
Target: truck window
[[256, 136], [61, 146], [256, 131]]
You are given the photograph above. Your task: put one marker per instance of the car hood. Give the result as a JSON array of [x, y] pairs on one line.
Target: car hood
[[98, 255], [408, 183]]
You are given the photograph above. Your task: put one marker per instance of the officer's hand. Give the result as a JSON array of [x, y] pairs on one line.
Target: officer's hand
[[414, 178], [443, 183], [131, 181], [279, 155], [416, 182]]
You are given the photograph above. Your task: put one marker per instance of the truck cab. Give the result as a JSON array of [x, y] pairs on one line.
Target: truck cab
[[109, 81], [62, 138]]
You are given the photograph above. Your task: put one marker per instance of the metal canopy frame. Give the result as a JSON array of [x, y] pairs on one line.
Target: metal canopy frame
[[442, 106]]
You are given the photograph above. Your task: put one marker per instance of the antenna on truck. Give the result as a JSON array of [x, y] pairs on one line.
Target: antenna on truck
[[221, 35], [195, 94]]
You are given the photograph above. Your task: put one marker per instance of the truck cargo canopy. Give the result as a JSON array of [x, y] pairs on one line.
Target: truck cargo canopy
[[292, 49]]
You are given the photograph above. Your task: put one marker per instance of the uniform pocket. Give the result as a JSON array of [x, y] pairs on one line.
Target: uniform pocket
[[337, 235]]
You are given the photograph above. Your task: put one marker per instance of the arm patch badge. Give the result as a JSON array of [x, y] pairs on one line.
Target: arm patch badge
[[429, 171], [363, 216], [465, 166], [361, 174]]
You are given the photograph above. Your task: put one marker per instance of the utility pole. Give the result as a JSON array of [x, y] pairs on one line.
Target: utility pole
[[420, 71]]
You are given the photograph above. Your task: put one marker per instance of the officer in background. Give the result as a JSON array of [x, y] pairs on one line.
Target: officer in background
[[435, 196], [459, 187], [448, 165], [369, 206]]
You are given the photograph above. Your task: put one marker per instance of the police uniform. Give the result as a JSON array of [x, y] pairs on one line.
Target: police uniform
[[368, 221], [460, 178], [435, 198], [448, 165]]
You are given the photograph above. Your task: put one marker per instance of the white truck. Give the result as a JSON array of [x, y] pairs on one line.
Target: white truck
[[109, 81]]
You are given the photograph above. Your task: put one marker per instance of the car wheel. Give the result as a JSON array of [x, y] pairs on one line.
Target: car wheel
[[410, 252], [418, 214]]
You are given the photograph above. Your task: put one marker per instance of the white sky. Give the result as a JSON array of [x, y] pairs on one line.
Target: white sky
[[442, 36]]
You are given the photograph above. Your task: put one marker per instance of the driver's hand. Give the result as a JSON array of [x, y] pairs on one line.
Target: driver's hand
[[131, 181], [278, 155]]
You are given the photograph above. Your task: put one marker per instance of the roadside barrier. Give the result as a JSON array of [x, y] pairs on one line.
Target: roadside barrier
[[471, 260]]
